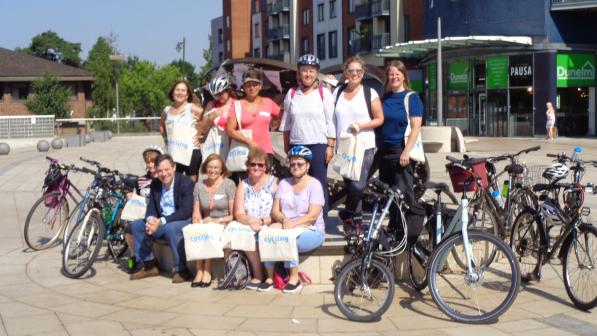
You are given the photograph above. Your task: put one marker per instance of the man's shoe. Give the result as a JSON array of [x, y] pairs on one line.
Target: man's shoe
[[181, 276], [145, 273], [293, 288]]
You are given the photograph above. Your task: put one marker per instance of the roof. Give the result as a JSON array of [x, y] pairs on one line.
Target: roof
[[16, 67], [421, 47]]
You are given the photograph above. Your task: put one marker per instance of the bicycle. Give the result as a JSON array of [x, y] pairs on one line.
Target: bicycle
[[101, 222], [50, 212], [575, 245], [369, 272]]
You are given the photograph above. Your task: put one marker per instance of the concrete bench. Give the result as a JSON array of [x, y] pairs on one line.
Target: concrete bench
[[432, 146], [442, 139]]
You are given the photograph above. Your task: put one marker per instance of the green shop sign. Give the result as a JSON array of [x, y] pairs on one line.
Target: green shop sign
[[497, 72], [459, 76], [432, 76], [575, 70]]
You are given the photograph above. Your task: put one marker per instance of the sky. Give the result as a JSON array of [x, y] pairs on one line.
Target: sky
[[148, 29]]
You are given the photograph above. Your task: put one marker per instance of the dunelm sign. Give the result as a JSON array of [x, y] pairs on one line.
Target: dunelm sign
[[575, 70], [459, 75]]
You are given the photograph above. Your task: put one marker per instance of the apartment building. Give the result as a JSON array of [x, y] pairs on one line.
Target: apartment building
[[327, 31], [217, 40], [236, 28]]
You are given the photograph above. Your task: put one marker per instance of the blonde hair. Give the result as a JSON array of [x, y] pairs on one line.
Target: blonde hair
[[355, 59]]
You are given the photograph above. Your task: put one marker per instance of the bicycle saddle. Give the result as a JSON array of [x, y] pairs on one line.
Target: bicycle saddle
[[437, 187]]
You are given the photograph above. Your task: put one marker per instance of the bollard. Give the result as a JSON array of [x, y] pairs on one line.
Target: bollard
[[43, 146], [57, 143], [4, 148]]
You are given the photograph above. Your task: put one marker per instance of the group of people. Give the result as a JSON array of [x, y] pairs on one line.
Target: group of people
[[311, 119]]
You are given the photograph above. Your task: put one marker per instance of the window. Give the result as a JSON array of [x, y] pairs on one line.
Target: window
[[332, 9], [227, 21], [321, 46], [306, 16], [220, 36], [87, 90], [305, 46], [228, 46], [256, 30], [333, 43], [350, 6], [320, 12], [20, 91], [256, 52]]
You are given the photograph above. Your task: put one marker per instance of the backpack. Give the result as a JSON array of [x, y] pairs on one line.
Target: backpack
[[237, 272], [366, 92]]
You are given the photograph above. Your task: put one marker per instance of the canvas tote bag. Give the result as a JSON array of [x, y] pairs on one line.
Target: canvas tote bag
[[348, 160], [180, 138], [134, 208], [239, 151], [203, 241], [279, 244], [238, 236], [417, 153]]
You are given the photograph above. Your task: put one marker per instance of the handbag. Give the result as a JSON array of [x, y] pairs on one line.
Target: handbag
[[238, 236], [416, 153], [180, 139], [348, 160], [279, 244], [134, 208], [203, 241], [216, 142], [239, 151]]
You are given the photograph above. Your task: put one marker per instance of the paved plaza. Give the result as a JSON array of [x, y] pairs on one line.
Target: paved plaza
[[36, 299]]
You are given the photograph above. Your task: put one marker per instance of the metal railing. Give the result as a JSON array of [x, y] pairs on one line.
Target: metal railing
[[280, 32], [34, 126], [127, 125], [277, 6], [363, 12], [380, 7], [380, 41], [360, 45]]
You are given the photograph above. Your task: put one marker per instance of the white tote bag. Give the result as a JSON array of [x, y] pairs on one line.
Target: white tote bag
[[416, 153], [216, 142], [239, 237], [279, 244], [203, 241], [348, 160], [181, 139], [239, 151], [134, 208]]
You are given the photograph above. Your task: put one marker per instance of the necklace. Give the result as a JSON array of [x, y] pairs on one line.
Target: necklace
[[211, 192]]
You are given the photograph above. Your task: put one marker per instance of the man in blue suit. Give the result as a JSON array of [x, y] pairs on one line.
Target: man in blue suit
[[169, 209]]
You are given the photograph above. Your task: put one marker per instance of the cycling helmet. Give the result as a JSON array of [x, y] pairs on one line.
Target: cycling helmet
[[550, 213], [308, 59], [218, 84], [300, 151], [556, 172], [53, 175], [153, 148]]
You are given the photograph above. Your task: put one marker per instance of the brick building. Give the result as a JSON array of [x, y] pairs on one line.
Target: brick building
[[18, 71]]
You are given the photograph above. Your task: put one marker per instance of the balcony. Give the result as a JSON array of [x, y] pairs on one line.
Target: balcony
[[360, 45], [278, 33], [380, 8], [278, 6], [284, 57], [380, 41], [572, 5], [362, 12]]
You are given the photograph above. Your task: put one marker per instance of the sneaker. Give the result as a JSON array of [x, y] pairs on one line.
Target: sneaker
[[253, 285], [265, 286], [181, 276], [145, 273], [293, 288]]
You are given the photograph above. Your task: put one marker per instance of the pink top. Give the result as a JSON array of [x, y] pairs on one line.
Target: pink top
[[259, 121], [223, 119], [296, 204]]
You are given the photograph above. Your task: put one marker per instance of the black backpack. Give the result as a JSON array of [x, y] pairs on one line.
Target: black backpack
[[237, 271]]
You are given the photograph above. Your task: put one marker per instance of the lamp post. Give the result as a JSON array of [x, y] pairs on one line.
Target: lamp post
[[117, 58], [440, 87], [181, 46]]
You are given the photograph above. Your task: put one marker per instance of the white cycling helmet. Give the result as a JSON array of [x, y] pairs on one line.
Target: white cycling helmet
[[153, 148], [556, 172], [550, 213], [218, 84]]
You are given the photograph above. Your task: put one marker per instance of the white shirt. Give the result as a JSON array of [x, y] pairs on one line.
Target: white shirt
[[184, 117], [355, 111], [308, 119]]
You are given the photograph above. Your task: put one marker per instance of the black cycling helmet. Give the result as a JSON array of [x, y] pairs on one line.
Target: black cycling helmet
[[308, 59]]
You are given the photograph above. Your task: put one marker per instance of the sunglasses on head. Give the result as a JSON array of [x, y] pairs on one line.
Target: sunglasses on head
[[256, 164]]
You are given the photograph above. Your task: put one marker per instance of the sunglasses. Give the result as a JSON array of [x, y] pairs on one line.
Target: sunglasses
[[354, 71], [255, 164], [297, 164]]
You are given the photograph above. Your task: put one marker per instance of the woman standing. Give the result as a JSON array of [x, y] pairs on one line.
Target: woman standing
[[550, 125], [256, 114], [253, 204], [308, 120], [185, 112], [352, 115], [221, 90], [214, 200], [396, 167]]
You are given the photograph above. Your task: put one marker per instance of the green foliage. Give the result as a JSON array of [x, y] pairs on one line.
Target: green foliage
[[50, 98], [102, 69], [188, 71], [52, 47]]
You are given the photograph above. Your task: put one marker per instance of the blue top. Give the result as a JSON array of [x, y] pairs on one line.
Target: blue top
[[395, 120], [167, 201]]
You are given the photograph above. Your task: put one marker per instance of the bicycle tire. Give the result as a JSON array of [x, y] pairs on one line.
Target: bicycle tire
[[48, 217], [350, 279], [584, 233], [118, 246], [417, 268], [521, 199], [527, 245], [454, 306], [72, 220], [86, 236]]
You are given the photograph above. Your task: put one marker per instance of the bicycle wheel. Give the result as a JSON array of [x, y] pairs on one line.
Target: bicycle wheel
[[481, 218], [45, 221], [83, 245], [487, 292], [521, 199], [418, 257], [525, 242], [73, 218], [579, 267], [363, 295]]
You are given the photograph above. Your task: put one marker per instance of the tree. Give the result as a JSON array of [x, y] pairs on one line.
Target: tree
[[50, 98], [52, 47], [188, 71], [99, 64]]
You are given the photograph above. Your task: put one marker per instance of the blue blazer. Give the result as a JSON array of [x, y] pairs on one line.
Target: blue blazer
[[183, 199]]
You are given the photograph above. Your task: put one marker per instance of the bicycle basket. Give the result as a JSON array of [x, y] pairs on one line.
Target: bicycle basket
[[534, 175], [459, 176]]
